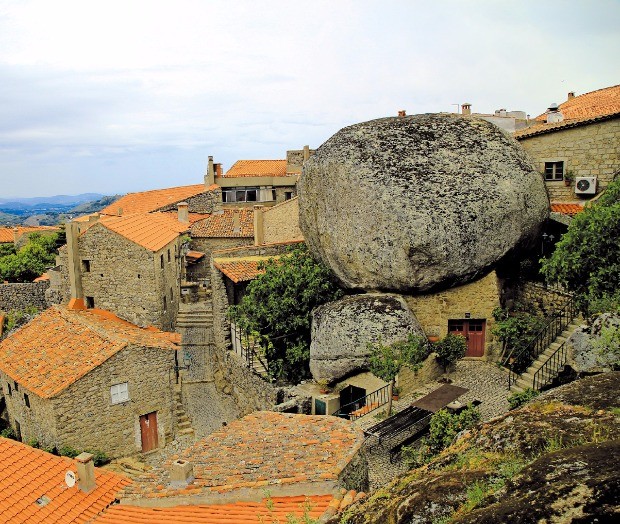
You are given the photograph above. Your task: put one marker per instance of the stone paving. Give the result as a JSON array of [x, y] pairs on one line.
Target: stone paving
[[486, 382]]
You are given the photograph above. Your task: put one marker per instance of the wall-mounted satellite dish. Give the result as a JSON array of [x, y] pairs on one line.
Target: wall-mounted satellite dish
[[70, 478]]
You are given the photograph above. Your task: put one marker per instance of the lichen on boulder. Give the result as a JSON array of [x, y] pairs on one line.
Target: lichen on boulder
[[419, 203], [342, 331]]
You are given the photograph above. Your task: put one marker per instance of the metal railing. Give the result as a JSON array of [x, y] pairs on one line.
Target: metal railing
[[551, 368], [518, 361], [362, 406], [250, 351]]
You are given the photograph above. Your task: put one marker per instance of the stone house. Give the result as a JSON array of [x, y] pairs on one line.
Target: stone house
[[129, 264], [576, 145], [19, 235], [259, 181], [89, 380]]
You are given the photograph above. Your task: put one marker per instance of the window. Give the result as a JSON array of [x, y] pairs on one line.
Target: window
[[26, 400], [9, 388], [161, 261], [165, 304], [119, 393], [169, 259], [16, 386], [554, 170], [241, 194], [86, 266], [171, 295], [288, 195], [90, 302]]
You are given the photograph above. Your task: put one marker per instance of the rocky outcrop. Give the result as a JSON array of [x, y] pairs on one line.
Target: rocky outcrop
[[342, 331], [585, 355], [554, 460], [418, 203]]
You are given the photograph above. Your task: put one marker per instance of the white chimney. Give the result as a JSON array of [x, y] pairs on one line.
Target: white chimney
[[181, 472], [466, 109], [183, 212], [85, 472], [554, 114], [236, 222]]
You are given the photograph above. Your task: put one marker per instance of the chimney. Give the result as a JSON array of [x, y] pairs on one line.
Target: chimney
[[402, 113], [306, 153], [119, 212], [571, 95], [181, 472], [554, 114], [183, 212], [210, 176], [85, 472], [218, 170], [75, 277], [259, 231], [15, 235], [236, 221], [466, 108]]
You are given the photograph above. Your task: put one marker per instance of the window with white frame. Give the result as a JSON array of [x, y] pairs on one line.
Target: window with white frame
[[554, 170], [119, 393]]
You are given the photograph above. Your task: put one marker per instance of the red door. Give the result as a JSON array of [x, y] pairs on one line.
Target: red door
[[473, 331], [148, 429]]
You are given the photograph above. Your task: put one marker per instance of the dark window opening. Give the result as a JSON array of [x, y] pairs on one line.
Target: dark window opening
[[169, 258], [165, 304], [161, 261], [273, 194], [90, 302], [16, 386], [26, 400], [251, 195], [554, 170], [288, 195], [9, 387], [86, 266], [171, 295], [138, 275]]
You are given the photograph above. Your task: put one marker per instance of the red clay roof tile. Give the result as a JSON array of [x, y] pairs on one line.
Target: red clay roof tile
[[74, 343], [29, 473], [222, 225], [148, 201], [566, 209], [248, 168], [7, 234], [241, 269]]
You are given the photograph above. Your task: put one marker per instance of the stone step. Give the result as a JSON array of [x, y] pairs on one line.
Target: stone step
[[186, 431], [184, 425]]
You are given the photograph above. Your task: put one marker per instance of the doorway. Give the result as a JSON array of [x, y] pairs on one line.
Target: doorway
[[350, 395], [148, 431], [474, 332]]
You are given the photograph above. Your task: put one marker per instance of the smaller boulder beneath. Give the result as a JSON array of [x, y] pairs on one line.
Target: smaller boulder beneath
[[342, 330]]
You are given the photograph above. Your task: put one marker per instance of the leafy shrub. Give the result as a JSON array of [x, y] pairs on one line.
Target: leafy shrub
[[450, 349], [607, 345], [444, 428], [99, 457], [516, 329], [8, 433], [31, 260], [386, 361], [277, 307], [522, 397]]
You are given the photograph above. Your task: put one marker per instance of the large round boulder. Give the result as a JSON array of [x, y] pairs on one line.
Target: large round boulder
[[342, 331], [411, 204]]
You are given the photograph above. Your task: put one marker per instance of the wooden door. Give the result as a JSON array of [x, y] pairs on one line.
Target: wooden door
[[148, 430], [474, 332]]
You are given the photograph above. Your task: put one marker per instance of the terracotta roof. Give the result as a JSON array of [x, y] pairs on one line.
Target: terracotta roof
[[247, 168], [241, 269], [6, 233], [601, 102], [263, 450], [149, 230], [60, 346], [566, 209], [542, 128], [28, 474], [42, 278], [221, 225], [148, 201], [276, 509]]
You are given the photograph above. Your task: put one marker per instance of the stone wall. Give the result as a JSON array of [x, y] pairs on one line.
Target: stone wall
[[129, 280], [281, 222], [83, 416], [540, 299], [408, 380], [23, 295], [587, 150], [478, 299], [201, 269]]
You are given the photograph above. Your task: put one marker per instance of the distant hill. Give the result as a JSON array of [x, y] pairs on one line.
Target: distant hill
[[63, 200], [94, 206]]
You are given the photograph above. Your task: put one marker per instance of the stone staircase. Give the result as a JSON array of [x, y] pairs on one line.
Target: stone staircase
[[184, 424], [196, 314], [526, 380]]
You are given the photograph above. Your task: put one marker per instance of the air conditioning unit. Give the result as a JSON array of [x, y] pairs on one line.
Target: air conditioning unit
[[585, 185]]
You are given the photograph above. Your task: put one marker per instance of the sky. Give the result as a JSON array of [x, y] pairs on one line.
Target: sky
[[130, 95]]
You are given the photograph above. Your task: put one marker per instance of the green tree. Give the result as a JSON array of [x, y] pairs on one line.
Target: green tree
[[450, 349], [277, 305], [587, 258], [29, 262]]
